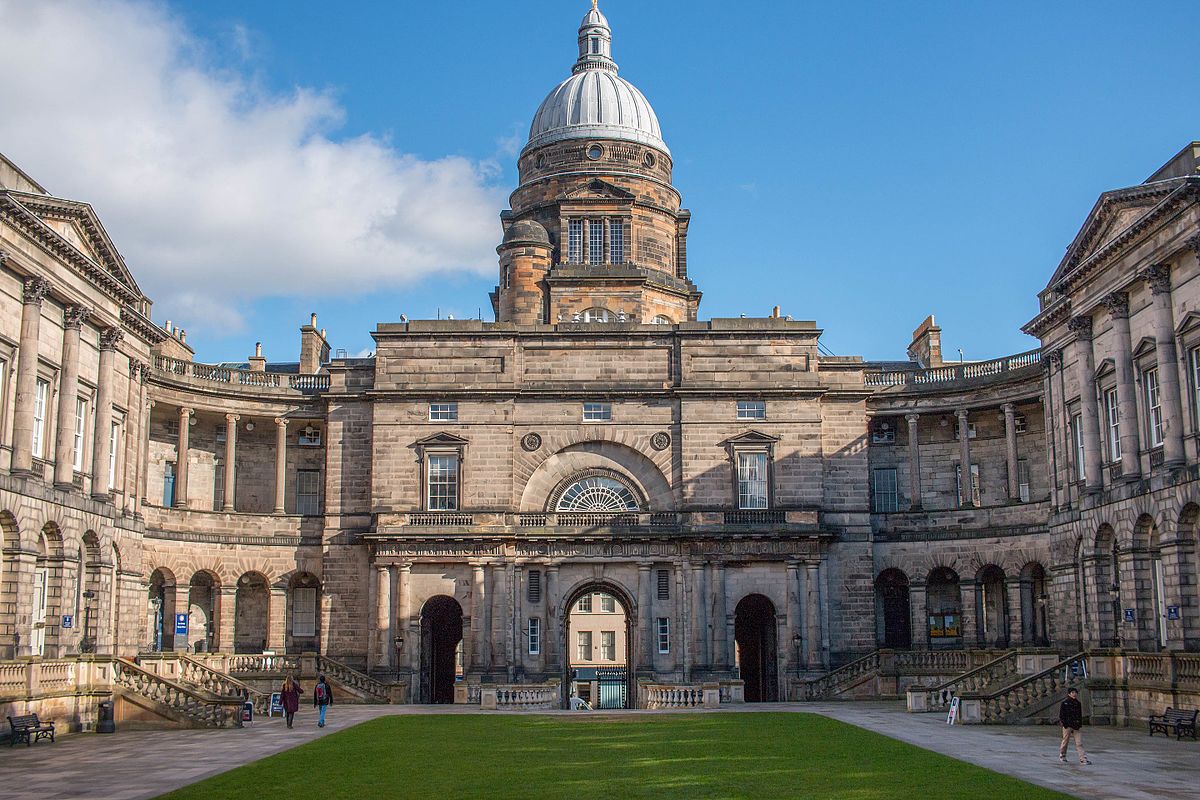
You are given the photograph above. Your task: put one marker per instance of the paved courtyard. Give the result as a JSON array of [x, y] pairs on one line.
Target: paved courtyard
[[143, 764]]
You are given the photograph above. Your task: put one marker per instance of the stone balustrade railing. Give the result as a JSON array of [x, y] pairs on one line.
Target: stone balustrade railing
[[1025, 696], [212, 373], [953, 372], [196, 673], [543, 519], [263, 664], [29, 678], [832, 683], [937, 698], [350, 677], [199, 707], [520, 697], [658, 696]]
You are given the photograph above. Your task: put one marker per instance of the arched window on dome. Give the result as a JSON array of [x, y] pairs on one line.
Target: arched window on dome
[[596, 315], [597, 494], [661, 320]]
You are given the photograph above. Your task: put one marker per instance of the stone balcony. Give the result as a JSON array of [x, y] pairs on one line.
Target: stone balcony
[[936, 379], [192, 525], [178, 373], [1010, 519], [783, 521]]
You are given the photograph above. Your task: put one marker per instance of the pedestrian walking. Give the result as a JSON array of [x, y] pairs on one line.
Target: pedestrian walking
[[322, 699], [289, 695], [1070, 717]]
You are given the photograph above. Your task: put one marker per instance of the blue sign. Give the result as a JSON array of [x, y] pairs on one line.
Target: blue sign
[[1129, 615], [1172, 612], [181, 624], [68, 621], [276, 706]]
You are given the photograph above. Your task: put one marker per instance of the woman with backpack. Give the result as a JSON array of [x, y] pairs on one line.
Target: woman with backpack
[[322, 699]]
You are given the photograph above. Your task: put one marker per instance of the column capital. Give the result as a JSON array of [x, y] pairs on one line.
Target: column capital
[[34, 290], [232, 418], [138, 370], [1052, 358], [184, 411], [1158, 278], [1117, 304], [405, 566], [282, 422], [1009, 409], [4, 256], [1193, 243], [1081, 326], [75, 316], [961, 413], [644, 566], [912, 419], [110, 338]]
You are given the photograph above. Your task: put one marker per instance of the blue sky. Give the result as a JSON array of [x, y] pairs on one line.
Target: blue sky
[[860, 164]]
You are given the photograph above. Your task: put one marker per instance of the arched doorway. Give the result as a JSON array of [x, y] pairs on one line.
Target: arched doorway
[[41, 597], [991, 607], [441, 654], [943, 605], [1107, 580], [160, 612], [202, 617], [893, 610], [1035, 600], [596, 638], [253, 608], [91, 580], [754, 630]]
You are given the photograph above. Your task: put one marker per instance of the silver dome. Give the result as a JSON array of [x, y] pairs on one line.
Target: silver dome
[[595, 102]]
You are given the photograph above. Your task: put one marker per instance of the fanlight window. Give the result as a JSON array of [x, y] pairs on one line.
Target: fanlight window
[[597, 494]]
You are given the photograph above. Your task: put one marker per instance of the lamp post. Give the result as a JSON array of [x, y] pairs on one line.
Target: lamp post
[[399, 643], [797, 642], [87, 644]]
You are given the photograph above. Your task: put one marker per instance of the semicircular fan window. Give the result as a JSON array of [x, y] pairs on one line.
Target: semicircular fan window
[[597, 494]]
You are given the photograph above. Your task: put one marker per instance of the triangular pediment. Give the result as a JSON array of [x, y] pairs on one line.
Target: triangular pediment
[[597, 189], [1144, 347], [1104, 368], [1190, 321], [441, 439], [751, 437]]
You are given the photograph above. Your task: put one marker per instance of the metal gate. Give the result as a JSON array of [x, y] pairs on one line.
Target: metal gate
[[613, 685]]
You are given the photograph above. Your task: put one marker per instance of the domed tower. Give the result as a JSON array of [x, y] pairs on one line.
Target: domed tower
[[596, 184]]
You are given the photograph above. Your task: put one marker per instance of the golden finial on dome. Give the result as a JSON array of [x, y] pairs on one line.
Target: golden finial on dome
[[594, 4]]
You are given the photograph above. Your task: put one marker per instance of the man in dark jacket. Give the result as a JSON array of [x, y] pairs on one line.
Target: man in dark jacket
[[1070, 717], [322, 699]]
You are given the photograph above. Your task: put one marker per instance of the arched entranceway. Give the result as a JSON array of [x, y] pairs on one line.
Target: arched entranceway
[[1035, 601], [202, 612], [253, 608], [1106, 582], [160, 611], [441, 637], [893, 610], [597, 641], [754, 630], [991, 607], [943, 604]]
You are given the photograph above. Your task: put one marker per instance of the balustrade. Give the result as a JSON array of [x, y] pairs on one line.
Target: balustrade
[[353, 679], [213, 373], [829, 684], [953, 372], [526, 697], [223, 712], [673, 696]]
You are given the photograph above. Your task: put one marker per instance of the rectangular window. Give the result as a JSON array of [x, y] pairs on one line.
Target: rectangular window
[[308, 492], [886, 498], [664, 584], [971, 431], [113, 437], [39, 416], [219, 434], [533, 589], [975, 495], [1154, 421], [443, 412], [616, 241], [597, 412], [1193, 364], [304, 612], [1020, 424], [1077, 441], [751, 409], [596, 241], [608, 604], [584, 646], [883, 432], [585, 604], [535, 636], [309, 436], [752, 480], [1023, 480], [218, 486], [1112, 424], [575, 241], [608, 645], [80, 426], [664, 634], [443, 483]]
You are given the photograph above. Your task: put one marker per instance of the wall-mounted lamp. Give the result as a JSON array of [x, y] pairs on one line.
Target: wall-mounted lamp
[[249, 426], [399, 640]]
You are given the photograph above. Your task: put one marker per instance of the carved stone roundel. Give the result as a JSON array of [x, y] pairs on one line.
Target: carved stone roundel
[[660, 441], [531, 442]]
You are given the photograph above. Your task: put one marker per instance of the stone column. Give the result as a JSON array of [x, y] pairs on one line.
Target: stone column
[[27, 369], [68, 395], [826, 603], [795, 624], [645, 615], [277, 620], [383, 617], [700, 635], [226, 620], [914, 463], [966, 497], [812, 609], [231, 431], [550, 626], [134, 463], [1127, 416], [1010, 447], [481, 617], [404, 623], [919, 614], [280, 464], [1158, 278], [1015, 624], [181, 457], [102, 433], [721, 644], [968, 620], [144, 449], [1085, 366]]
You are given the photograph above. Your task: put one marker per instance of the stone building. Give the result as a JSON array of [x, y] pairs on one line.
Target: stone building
[[767, 517]]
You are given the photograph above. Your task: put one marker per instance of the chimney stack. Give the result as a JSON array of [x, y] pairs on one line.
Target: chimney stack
[[926, 347], [257, 362], [314, 348]]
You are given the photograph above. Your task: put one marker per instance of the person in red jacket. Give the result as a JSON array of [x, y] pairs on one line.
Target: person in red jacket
[[1070, 717]]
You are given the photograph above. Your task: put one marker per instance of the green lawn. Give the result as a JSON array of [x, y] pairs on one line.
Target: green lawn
[[752, 755]]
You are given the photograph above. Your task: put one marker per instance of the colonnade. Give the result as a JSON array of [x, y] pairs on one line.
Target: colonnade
[[965, 488]]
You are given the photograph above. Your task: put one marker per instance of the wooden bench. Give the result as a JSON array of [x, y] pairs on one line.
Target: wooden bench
[[29, 729], [1181, 722]]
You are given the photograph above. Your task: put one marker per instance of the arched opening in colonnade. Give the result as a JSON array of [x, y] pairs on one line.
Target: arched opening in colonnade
[[90, 596], [991, 607], [441, 649], [1106, 581], [755, 630], [304, 603], [943, 606], [893, 610], [252, 615], [1035, 605], [597, 638], [160, 611], [203, 604]]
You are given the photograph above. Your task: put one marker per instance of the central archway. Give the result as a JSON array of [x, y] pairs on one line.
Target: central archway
[[893, 609], [441, 635], [754, 630], [597, 643]]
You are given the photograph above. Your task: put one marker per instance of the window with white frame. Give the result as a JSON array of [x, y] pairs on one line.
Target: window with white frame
[[304, 612], [596, 241], [597, 412], [616, 241], [309, 436], [113, 438], [443, 412], [608, 604], [40, 395], [308, 492], [608, 645], [442, 482], [661, 320], [535, 636], [596, 315], [585, 604], [975, 493], [1077, 441], [664, 634], [752, 481], [1193, 369], [81, 413], [1154, 420], [751, 409], [886, 498], [575, 241], [584, 645], [1023, 480], [883, 432], [1112, 424]]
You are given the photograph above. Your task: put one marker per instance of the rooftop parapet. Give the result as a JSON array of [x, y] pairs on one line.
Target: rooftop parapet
[[884, 375]]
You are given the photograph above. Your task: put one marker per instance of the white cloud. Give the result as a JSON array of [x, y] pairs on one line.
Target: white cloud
[[215, 190]]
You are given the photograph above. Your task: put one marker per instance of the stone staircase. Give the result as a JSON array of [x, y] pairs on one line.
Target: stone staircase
[[266, 673], [148, 697], [992, 675], [1029, 699], [886, 674]]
